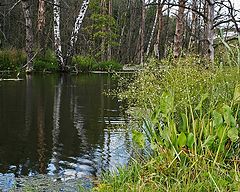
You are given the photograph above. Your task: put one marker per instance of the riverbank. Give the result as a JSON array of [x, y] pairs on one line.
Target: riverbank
[[13, 60], [186, 118]]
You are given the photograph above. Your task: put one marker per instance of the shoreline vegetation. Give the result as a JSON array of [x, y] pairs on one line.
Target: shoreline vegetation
[[13, 61], [185, 126]]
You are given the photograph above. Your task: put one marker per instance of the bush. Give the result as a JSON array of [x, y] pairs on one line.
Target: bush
[[84, 63], [88, 63], [46, 63], [12, 59]]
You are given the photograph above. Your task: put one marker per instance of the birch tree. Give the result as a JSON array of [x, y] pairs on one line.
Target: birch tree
[[76, 29], [152, 33], [64, 62], [57, 36]]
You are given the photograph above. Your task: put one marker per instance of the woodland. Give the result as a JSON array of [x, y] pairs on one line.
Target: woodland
[[83, 34]]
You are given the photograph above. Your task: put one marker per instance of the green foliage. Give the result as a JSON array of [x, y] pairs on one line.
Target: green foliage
[[87, 63], [84, 63], [47, 63], [108, 66], [102, 29], [186, 81], [188, 115], [11, 59]]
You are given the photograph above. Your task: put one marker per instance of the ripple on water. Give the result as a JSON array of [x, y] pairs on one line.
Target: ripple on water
[[7, 181]]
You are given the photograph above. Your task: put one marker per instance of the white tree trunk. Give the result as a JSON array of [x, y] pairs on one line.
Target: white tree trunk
[[152, 33], [77, 27], [57, 37]]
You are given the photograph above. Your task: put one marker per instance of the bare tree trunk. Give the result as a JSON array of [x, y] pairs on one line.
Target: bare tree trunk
[[152, 33], [109, 52], [142, 33], [29, 34], [178, 38], [160, 27], [130, 31], [103, 43], [193, 25], [57, 36], [77, 27], [41, 25], [210, 30]]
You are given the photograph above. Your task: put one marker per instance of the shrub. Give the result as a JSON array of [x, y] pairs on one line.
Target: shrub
[[12, 59], [84, 63], [46, 63], [88, 63]]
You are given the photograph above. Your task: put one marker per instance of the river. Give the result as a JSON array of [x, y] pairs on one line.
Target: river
[[61, 128]]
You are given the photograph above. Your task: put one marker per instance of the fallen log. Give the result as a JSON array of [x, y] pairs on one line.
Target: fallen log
[[11, 79]]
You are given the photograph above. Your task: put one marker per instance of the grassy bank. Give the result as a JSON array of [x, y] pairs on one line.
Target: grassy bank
[[14, 60], [186, 118]]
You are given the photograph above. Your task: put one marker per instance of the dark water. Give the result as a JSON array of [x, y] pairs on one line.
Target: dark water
[[60, 126]]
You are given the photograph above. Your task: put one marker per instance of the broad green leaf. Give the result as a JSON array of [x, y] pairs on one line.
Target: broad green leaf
[[217, 119], [182, 139], [228, 117], [209, 141], [138, 138], [233, 134], [190, 140]]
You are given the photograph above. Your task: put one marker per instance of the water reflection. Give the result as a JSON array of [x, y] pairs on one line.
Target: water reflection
[[59, 125]]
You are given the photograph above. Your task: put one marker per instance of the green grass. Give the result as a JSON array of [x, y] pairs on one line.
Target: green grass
[[156, 175]]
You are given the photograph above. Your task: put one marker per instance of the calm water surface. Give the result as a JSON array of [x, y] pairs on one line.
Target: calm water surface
[[60, 126]]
